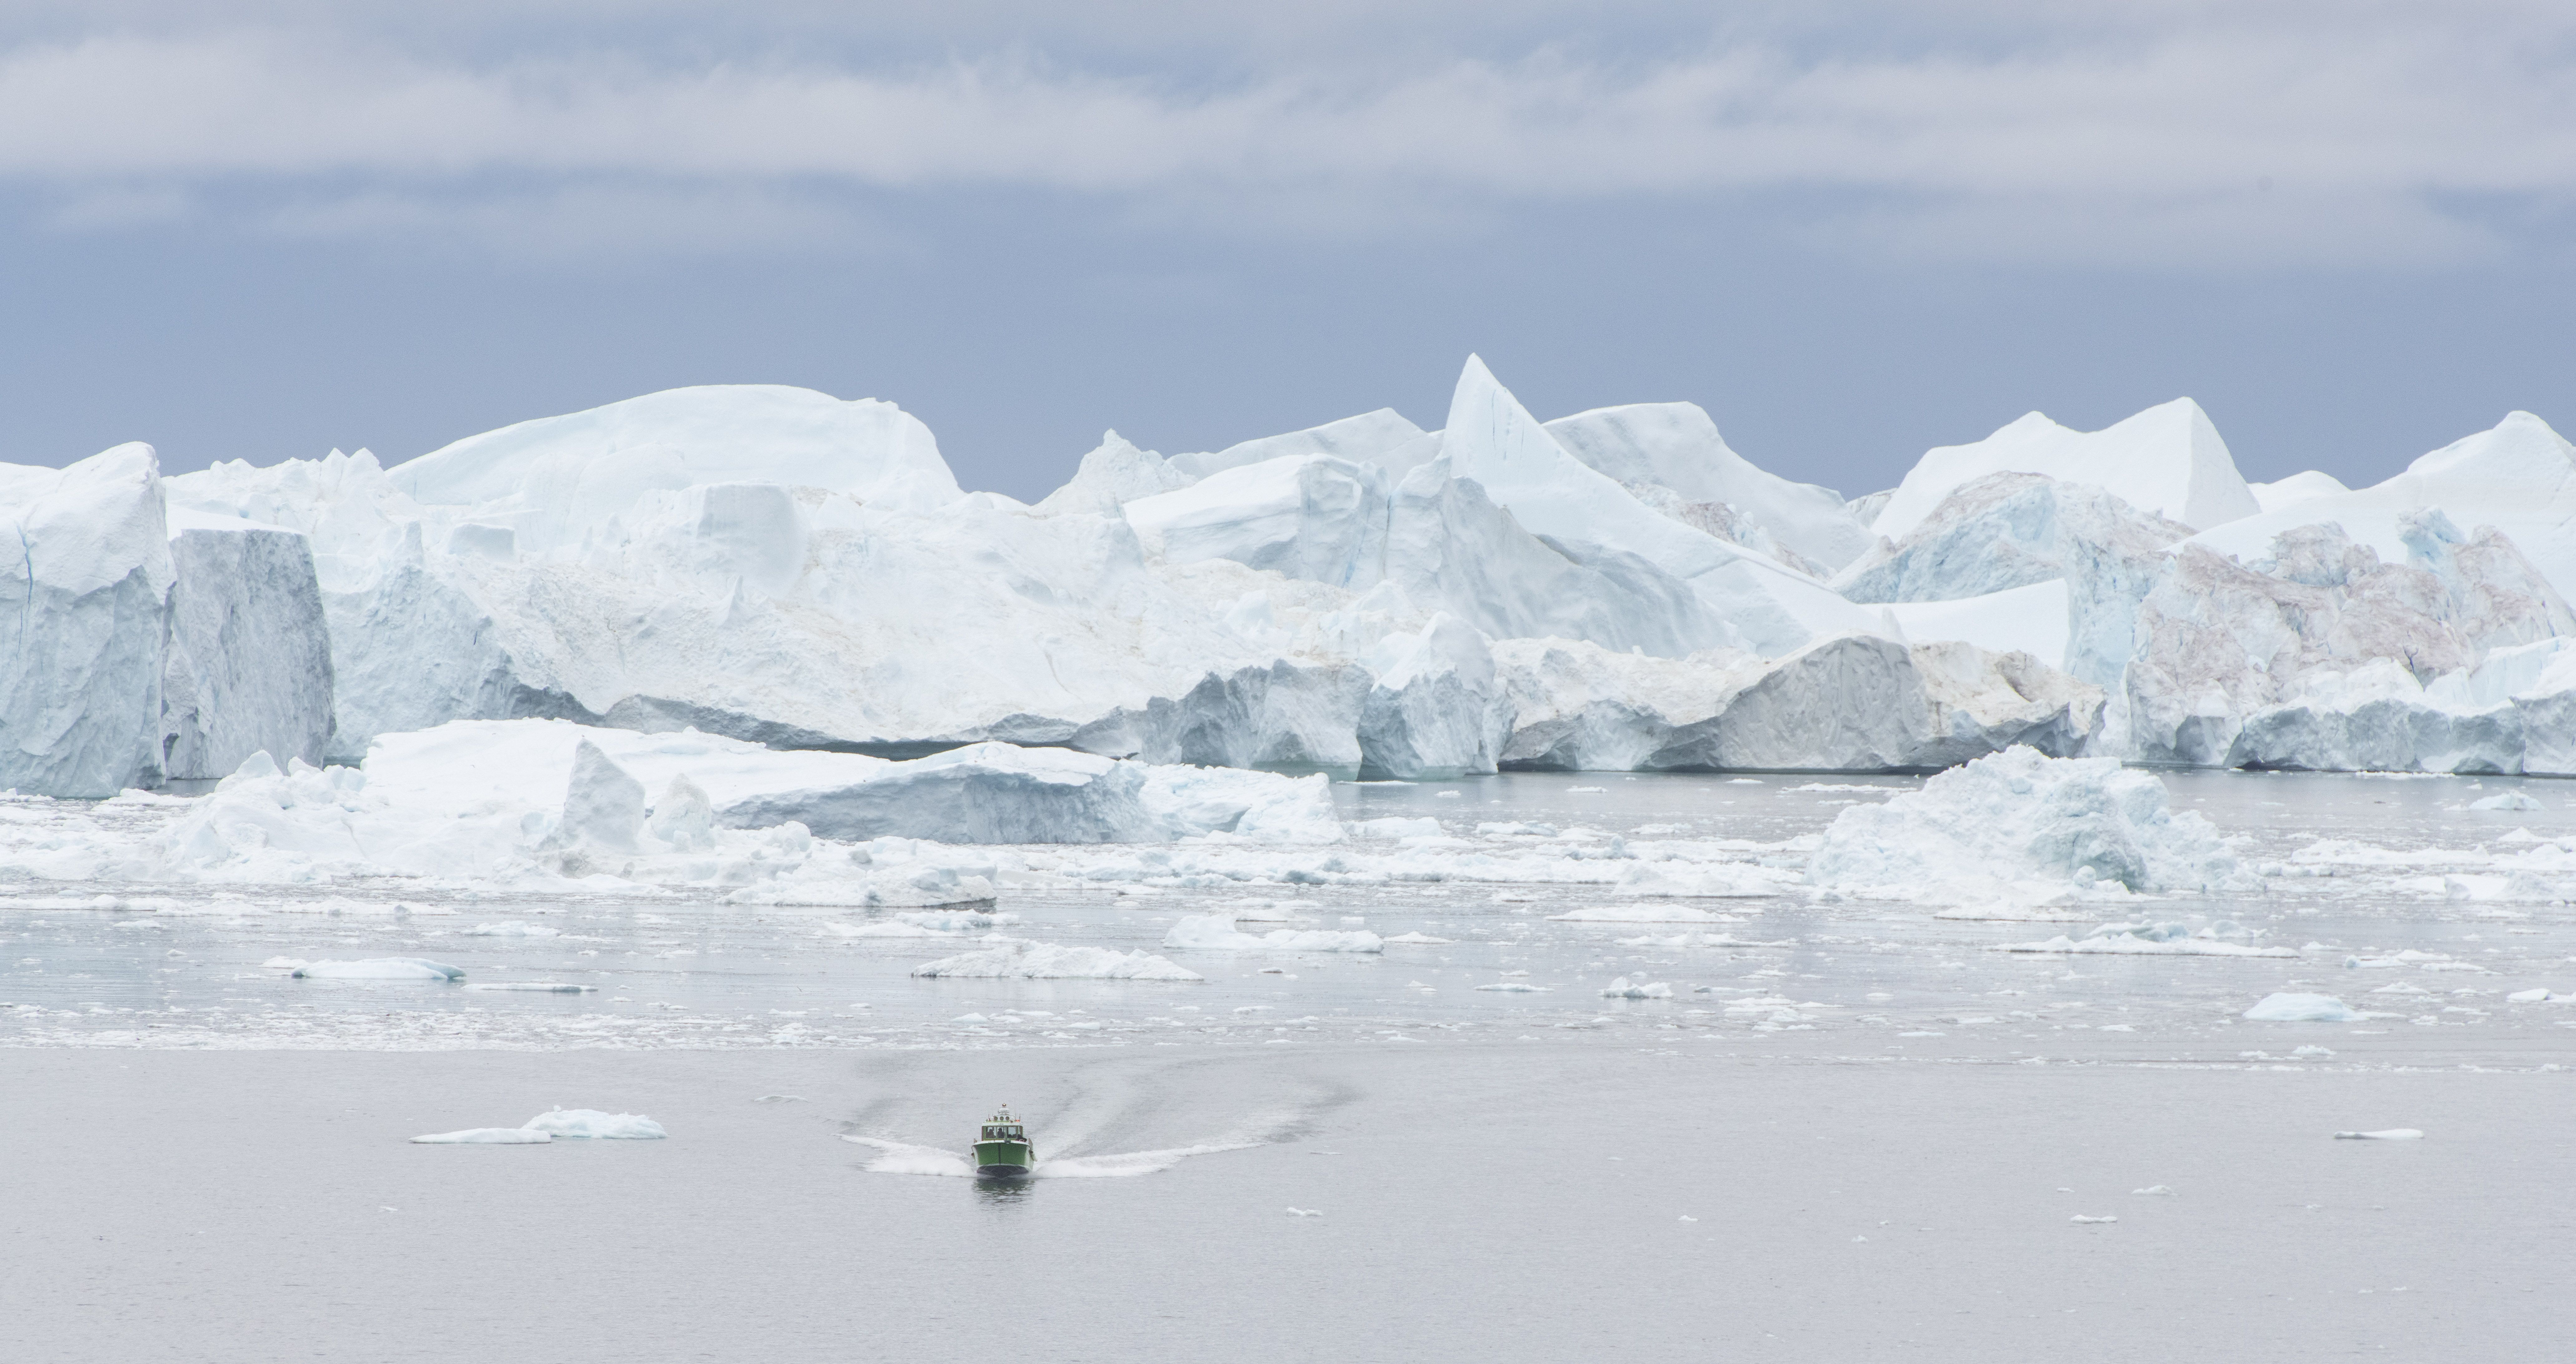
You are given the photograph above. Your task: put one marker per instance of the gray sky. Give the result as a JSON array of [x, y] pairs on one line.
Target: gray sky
[[264, 228]]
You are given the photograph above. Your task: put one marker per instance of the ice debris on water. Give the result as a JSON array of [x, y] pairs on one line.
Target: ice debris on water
[[2154, 1191], [486, 1136], [1623, 988], [2295, 1007], [2081, 1219], [1305, 1212], [2385, 1134], [2505, 800]]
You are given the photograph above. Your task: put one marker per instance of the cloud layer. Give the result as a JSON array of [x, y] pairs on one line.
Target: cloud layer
[[2167, 135]]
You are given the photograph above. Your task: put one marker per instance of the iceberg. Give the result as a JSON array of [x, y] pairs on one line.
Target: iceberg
[[1114, 474], [1853, 703], [2001, 532], [81, 691], [1676, 448], [555, 480], [1491, 439], [248, 663], [1436, 710], [2518, 477], [1369, 438], [2021, 816], [2167, 461]]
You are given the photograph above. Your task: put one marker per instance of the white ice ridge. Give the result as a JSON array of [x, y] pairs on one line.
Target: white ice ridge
[[1358, 598]]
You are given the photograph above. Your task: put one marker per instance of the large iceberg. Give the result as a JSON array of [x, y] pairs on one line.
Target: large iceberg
[[2167, 461], [80, 692], [803, 576]]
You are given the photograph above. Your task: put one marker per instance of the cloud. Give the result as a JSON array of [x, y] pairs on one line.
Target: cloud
[[2168, 135]]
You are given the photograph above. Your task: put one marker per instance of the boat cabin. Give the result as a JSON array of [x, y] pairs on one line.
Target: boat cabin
[[1003, 1127]]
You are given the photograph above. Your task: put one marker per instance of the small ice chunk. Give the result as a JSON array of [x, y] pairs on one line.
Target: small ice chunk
[[2506, 800], [2292, 1007], [2154, 1191], [1425, 939], [970, 1018], [2083, 1220], [2526, 997], [486, 1136], [780, 1099], [1623, 988], [2384, 1134], [592, 1124], [534, 987], [2312, 1053], [1515, 987], [1305, 1212], [512, 929]]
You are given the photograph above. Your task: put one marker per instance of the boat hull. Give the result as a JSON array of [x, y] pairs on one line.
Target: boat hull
[[1003, 1159]]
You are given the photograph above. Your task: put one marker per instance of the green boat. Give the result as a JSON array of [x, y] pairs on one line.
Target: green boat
[[1004, 1152]]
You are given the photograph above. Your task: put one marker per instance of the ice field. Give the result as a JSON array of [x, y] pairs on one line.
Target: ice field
[[1496, 909]]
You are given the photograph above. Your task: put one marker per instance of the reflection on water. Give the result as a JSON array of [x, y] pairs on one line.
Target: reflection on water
[[1002, 1191]]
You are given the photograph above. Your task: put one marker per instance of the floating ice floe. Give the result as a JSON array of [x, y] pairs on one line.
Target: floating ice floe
[[510, 930], [592, 1124], [533, 987], [1424, 940], [1017, 958], [1514, 987], [1640, 914], [2293, 1007], [2151, 940], [486, 1136], [1217, 933], [373, 968], [1623, 988], [2385, 1134]]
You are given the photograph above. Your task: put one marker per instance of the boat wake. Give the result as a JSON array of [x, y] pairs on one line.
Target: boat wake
[[904, 1158]]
